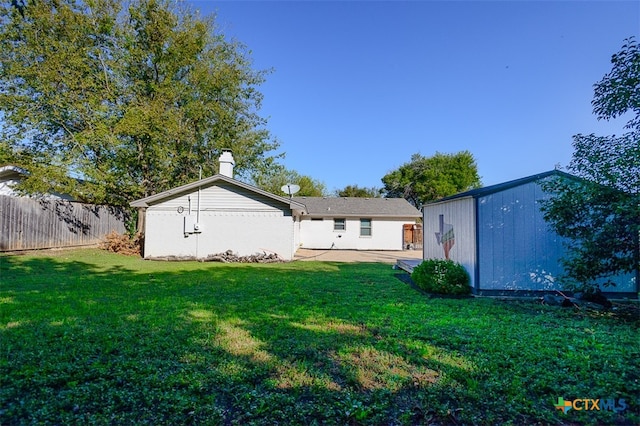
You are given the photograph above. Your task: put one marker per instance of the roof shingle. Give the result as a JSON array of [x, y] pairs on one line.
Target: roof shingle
[[356, 206]]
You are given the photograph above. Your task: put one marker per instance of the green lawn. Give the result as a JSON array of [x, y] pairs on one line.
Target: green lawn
[[92, 337]]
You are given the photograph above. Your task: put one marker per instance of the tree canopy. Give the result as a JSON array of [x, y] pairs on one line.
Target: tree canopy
[[131, 100], [278, 176], [600, 214], [425, 179], [357, 191]]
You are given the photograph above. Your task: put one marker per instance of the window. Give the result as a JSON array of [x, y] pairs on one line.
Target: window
[[339, 225], [365, 227]]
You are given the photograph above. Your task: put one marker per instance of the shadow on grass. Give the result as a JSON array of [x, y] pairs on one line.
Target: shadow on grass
[[128, 342]]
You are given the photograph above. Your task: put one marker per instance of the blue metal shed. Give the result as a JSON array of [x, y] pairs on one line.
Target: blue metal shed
[[499, 235]]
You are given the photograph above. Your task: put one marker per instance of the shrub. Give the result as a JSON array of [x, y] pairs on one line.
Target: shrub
[[442, 277]]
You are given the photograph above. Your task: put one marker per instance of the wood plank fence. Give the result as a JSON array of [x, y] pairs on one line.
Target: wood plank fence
[[28, 223], [412, 236]]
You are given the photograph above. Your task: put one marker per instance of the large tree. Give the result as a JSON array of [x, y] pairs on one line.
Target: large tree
[[426, 179], [133, 100], [600, 213]]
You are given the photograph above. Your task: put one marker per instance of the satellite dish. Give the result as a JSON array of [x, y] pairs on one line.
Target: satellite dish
[[290, 189]]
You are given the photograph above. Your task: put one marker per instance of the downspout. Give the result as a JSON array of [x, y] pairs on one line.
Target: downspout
[[198, 212], [199, 190], [293, 233]]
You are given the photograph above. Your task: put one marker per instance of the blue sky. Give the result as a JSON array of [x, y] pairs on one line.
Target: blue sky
[[359, 86]]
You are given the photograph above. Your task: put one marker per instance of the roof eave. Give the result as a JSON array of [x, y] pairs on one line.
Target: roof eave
[[364, 214], [12, 169], [153, 199], [492, 189]]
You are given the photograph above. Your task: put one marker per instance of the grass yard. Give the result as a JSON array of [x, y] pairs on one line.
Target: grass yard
[[92, 337]]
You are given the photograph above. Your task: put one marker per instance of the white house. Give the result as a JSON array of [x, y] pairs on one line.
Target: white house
[[219, 213], [11, 175], [355, 223], [498, 233]]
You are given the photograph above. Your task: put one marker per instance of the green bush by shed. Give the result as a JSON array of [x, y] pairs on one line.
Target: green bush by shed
[[442, 277]]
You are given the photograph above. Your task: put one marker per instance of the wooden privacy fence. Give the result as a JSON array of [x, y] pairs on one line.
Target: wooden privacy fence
[[412, 236], [27, 223]]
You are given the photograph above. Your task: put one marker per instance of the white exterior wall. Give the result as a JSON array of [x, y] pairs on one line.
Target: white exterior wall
[[230, 218], [460, 214], [6, 187], [386, 234]]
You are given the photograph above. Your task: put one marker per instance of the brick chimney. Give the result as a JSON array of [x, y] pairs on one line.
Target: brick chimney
[[226, 163]]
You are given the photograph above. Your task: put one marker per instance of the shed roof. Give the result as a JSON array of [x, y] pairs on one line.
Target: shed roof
[[492, 189], [358, 207], [210, 181]]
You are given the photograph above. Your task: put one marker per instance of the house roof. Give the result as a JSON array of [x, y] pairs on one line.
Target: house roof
[[358, 207], [313, 206], [210, 181], [492, 189], [11, 174], [11, 171]]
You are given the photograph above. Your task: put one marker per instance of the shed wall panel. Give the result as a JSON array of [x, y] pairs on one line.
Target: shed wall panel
[[518, 250], [459, 217]]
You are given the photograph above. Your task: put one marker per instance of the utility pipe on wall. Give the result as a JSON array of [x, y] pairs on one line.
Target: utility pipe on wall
[[199, 191]]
